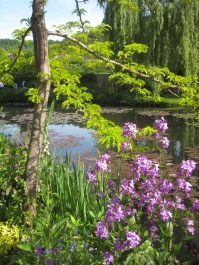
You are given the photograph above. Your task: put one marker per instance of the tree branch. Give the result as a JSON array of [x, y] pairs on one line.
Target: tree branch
[[79, 12], [19, 51], [99, 56]]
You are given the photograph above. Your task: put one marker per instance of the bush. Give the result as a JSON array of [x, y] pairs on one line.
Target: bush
[[9, 238], [11, 95]]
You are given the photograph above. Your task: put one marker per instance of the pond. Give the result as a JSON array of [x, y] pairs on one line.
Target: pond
[[68, 134]]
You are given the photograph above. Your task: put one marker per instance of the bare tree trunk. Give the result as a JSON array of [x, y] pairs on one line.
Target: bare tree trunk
[[40, 39]]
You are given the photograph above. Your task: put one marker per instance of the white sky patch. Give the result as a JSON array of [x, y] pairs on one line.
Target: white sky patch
[[57, 12]]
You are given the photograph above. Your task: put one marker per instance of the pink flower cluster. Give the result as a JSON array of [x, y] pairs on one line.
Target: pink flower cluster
[[186, 167], [102, 164], [146, 190], [161, 125], [129, 130]]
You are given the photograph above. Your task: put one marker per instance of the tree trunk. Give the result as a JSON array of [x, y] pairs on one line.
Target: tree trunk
[[40, 39]]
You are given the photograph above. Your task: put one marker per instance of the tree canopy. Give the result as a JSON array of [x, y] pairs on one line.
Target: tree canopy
[[170, 29]]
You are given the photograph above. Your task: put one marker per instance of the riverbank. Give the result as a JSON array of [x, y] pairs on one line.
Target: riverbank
[[17, 97]]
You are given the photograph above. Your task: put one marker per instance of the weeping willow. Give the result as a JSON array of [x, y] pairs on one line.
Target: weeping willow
[[170, 29]]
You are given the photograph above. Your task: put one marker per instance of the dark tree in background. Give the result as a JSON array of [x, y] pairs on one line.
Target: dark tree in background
[[170, 29]]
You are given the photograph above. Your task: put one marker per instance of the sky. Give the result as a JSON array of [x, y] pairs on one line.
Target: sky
[[57, 12]]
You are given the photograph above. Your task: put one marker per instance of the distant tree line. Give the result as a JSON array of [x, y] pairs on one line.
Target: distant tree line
[[13, 44]]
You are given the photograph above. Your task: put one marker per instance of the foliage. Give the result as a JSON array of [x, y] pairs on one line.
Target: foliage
[[167, 28], [63, 183], [11, 95], [6, 78], [12, 159], [146, 83], [190, 97], [33, 95], [63, 216], [13, 44], [75, 206], [9, 238]]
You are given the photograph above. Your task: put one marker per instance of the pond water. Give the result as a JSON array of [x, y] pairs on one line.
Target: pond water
[[68, 133]]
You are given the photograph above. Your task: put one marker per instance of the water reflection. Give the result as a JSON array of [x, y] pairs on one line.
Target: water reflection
[[77, 140], [178, 150], [182, 133]]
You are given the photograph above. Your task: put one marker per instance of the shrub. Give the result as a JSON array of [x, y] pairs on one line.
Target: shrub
[[9, 238], [11, 95]]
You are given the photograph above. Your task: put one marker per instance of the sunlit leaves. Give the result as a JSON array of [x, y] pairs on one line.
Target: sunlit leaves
[[74, 96], [18, 33], [131, 5], [33, 95], [108, 133], [130, 49], [102, 48]]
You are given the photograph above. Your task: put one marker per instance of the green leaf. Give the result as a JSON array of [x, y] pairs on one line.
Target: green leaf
[[92, 214], [26, 247], [58, 226]]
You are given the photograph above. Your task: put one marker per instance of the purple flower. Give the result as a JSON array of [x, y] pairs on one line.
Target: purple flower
[[100, 194], [155, 198], [101, 230], [164, 142], [114, 213], [154, 170], [190, 225], [129, 130], [153, 229], [101, 163], [116, 199], [143, 166], [186, 167], [119, 245], [161, 125], [166, 186], [191, 230], [110, 185], [148, 185], [73, 246], [105, 157], [155, 135], [86, 245], [39, 251], [165, 215], [92, 177], [195, 205], [130, 211], [108, 258], [51, 261], [56, 250], [132, 240], [127, 186], [125, 146], [184, 185], [179, 203]]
